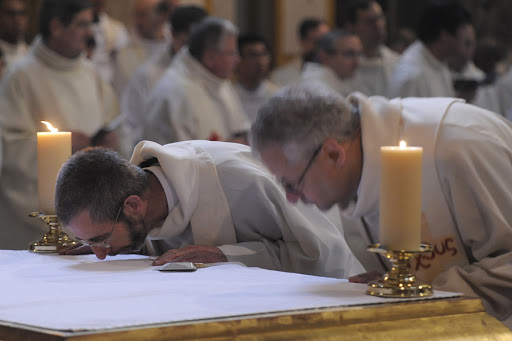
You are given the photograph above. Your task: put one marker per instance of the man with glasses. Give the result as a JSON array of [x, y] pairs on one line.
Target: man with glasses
[[336, 62], [197, 201], [13, 26], [326, 151]]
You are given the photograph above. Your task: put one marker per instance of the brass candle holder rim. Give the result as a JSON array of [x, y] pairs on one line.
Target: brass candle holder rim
[[378, 248]]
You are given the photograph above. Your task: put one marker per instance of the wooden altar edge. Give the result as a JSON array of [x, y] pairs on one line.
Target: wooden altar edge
[[440, 319]]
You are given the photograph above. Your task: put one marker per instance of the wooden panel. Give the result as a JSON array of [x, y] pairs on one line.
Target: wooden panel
[[439, 319], [289, 14]]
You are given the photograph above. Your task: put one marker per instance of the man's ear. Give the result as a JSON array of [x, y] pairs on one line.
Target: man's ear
[[335, 152], [132, 206]]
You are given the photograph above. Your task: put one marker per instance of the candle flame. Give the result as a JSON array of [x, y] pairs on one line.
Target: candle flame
[[403, 144], [52, 129]]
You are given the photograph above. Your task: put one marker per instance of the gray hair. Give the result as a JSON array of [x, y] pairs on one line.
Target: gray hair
[[208, 35], [327, 41], [299, 118], [98, 180]]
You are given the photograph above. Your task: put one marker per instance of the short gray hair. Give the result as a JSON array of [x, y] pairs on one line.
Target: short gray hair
[[208, 35], [98, 180], [300, 118]]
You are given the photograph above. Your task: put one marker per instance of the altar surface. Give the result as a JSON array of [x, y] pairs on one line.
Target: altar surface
[[50, 297]]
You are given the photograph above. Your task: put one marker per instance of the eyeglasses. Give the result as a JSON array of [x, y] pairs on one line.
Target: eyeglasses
[[294, 189], [104, 244]]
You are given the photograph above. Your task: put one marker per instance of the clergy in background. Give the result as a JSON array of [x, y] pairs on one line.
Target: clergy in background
[[54, 83]]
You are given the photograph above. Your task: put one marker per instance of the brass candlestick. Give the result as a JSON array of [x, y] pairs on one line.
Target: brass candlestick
[[399, 282], [53, 240]]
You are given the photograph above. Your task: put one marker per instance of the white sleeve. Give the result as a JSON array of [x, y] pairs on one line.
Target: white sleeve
[[276, 234]]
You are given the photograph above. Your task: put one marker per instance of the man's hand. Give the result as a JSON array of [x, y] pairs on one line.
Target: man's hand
[[78, 249], [192, 253], [365, 277]]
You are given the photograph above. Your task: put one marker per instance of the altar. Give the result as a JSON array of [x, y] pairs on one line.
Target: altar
[[51, 297]]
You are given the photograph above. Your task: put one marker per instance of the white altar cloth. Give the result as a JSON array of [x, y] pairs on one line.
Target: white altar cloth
[[78, 293]]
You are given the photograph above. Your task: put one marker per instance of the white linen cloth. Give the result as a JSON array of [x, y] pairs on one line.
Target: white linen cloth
[[77, 293]]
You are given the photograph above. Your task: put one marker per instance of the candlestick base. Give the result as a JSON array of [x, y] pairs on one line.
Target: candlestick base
[[53, 240], [399, 282]]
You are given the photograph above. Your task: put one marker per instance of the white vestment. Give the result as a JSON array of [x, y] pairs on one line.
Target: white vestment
[[221, 196], [132, 55], [420, 74], [253, 99], [466, 192], [503, 88], [189, 103], [288, 73], [12, 52], [319, 75], [42, 85], [135, 95], [375, 73], [110, 36]]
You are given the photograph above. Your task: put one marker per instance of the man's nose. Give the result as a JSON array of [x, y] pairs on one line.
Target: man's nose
[[100, 252], [292, 197]]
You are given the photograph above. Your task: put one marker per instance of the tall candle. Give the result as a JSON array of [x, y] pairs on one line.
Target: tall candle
[[53, 149], [400, 197]]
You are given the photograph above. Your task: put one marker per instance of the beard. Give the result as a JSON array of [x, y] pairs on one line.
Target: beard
[[137, 229]]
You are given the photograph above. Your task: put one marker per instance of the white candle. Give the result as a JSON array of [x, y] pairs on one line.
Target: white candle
[[53, 149], [400, 197]]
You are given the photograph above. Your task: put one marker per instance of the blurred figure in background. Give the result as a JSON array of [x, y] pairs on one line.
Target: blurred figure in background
[[490, 58], [195, 99], [150, 35], [13, 26], [252, 84], [366, 19], [310, 30], [422, 70], [404, 37], [466, 76], [338, 54], [145, 78], [53, 82], [110, 35]]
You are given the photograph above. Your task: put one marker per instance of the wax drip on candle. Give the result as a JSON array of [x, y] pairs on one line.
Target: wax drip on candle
[[403, 144], [49, 125]]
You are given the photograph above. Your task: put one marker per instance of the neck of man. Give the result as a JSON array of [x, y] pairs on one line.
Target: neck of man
[[157, 210]]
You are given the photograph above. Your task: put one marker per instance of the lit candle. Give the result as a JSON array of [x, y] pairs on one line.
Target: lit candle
[[400, 197], [53, 149]]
